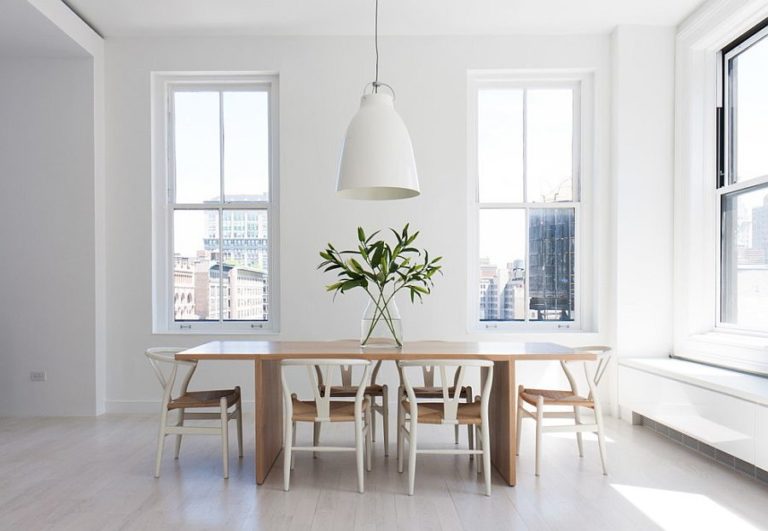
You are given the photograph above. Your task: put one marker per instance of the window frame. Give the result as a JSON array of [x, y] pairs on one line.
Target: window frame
[[163, 86], [725, 183], [582, 85]]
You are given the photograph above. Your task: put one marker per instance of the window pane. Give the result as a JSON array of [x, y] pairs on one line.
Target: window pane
[[246, 148], [549, 141], [500, 145], [749, 86], [502, 265], [196, 146], [195, 267], [551, 255], [245, 256], [745, 259]]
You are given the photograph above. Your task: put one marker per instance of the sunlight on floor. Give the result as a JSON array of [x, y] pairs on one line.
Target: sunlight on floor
[[673, 510]]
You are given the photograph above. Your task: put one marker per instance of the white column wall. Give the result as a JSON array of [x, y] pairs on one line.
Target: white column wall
[[642, 163], [47, 315]]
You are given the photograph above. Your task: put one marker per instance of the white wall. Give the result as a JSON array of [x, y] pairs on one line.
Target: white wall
[[321, 80], [47, 318], [642, 190]]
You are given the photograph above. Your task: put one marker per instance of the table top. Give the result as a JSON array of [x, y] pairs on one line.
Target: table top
[[275, 350]]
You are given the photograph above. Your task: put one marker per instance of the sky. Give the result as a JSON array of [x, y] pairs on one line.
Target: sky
[[503, 168], [198, 155]]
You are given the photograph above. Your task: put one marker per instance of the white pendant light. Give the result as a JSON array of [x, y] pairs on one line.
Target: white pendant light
[[377, 159]]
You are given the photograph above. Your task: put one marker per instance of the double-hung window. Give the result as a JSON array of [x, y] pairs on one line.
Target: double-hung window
[[215, 188], [526, 157], [742, 184]]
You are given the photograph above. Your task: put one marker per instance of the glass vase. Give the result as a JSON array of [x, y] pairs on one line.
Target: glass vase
[[381, 325]]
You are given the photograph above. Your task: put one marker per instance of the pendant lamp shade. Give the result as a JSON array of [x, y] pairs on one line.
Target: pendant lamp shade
[[377, 158]]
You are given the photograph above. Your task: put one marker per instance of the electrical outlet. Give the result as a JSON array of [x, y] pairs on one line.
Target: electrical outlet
[[38, 376]]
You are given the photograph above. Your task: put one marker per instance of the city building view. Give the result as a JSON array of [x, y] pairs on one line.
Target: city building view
[[744, 266], [551, 243], [227, 277]]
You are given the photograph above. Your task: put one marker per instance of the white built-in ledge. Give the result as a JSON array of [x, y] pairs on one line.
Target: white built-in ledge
[[736, 384], [724, 409]]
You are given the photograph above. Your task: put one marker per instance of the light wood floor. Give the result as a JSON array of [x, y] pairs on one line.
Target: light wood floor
[[96, 473]]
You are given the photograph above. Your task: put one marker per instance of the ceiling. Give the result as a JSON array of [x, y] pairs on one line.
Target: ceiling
[[355, 17], [26, 32]]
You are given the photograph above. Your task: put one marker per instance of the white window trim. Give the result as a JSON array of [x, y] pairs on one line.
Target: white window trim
[[583, 81], [729, 188], [697, 210], [162, 225]]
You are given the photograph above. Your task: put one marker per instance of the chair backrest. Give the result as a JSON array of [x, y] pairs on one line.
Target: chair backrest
[[593, 370], [346, 375], [450, 402], [428, 375], [166, 368], [323, 370]]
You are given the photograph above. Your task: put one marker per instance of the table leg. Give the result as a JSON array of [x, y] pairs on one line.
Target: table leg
[[269, 416], [502, 410]]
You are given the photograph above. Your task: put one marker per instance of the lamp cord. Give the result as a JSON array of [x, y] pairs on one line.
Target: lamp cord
[[376, 46]]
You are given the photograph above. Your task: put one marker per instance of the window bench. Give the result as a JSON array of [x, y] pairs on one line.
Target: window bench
[[724, 409]]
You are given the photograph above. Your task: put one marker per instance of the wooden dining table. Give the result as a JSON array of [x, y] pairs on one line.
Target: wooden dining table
[[267, 355]]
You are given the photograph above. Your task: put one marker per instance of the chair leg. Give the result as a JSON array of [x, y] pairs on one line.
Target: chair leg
[[412, 444], [468, 398], [370, 418], [287, 457], [224, 436], [400, 424], [240, 430], [293, 443], [470, 440], [316, 436], [600, 435], [160, 441], [519, 419], [385, 418], [486, 444], [478, 438], [178, 435], [373, 425], [400, 436], [539, 422], [359, 452], [577, 419]]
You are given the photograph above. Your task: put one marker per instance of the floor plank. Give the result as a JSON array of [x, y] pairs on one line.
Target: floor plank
[[96, 473]]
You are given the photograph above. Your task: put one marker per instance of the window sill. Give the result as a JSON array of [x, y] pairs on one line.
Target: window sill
[[512, 327], [733, 351], [733, 339], [216, 332], [728, 382]]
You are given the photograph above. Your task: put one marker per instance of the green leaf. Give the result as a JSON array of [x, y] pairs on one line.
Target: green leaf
[[349, 284], [356, 265], [376, 258], [372, 236]]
